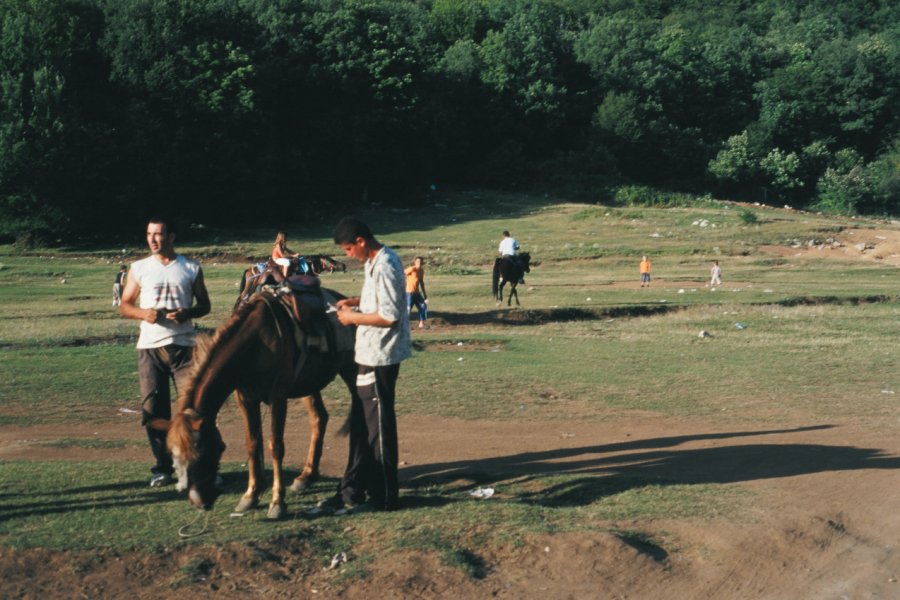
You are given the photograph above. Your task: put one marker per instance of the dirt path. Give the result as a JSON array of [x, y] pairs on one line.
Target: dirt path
[[824, 523]]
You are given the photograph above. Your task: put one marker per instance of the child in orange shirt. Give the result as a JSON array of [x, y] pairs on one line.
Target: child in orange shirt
[[415, 280], [645, 271]]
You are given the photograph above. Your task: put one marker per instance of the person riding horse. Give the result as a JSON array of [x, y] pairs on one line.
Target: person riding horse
[[271, 272], [508, 248]]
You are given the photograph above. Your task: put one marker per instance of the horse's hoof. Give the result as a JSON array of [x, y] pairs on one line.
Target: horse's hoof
[[301, 484], [246, 504], [277, 511]]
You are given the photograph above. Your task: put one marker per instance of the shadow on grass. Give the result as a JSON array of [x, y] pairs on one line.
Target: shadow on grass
[[42, 504], [30, 503], [610, 469], [599, 471], [539, 316]]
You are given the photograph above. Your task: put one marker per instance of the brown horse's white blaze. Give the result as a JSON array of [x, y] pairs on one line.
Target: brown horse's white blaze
[[256, 356]]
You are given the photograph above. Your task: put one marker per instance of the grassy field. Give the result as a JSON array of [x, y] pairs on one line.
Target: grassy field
[[790, 336]]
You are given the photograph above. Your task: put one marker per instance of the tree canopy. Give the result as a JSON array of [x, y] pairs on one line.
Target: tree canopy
[[221, 109]]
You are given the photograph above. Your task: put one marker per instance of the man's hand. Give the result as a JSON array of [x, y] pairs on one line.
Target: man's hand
[[151, 315], [346, 315], [347, 303], [179, 316]]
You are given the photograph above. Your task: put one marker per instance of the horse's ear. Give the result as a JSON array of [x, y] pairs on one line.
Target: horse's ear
[[159, 424]]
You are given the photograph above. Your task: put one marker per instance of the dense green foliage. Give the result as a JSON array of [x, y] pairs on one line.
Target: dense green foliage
[[112, 109]]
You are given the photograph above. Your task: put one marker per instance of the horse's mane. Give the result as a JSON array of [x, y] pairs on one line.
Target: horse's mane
[[180, 434], [203, 354]]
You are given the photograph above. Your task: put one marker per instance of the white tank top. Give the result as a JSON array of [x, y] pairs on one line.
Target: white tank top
[[166, 287]]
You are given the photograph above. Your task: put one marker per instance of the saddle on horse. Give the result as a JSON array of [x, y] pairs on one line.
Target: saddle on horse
[[304, 299]]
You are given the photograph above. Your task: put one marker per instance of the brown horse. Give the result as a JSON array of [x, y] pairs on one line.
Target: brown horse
[[264, 355]]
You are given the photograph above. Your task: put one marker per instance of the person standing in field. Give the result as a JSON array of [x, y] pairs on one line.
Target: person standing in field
[[165, 292], [118, 284], [715, 274], [415, 281], [645, 271], [371, 479]]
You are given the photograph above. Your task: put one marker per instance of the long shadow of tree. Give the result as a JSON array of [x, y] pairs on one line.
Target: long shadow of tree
[[609, 469]]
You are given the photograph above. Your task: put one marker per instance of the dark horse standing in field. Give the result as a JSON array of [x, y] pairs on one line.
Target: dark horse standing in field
[[282, 343], [509, 270]]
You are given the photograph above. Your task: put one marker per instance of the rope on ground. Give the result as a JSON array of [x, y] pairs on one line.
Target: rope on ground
[[183, 531]]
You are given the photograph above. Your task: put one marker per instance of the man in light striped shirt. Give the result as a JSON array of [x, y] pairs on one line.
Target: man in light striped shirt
[[382, 343]]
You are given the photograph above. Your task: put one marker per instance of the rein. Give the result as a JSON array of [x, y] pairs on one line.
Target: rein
[[268, 302], [183, 531]]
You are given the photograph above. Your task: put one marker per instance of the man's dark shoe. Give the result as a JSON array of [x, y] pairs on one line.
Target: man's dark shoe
[[326, 507], [354, 509]]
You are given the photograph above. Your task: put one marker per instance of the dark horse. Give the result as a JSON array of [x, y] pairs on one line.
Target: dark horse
[[508, 270], [264, 354]]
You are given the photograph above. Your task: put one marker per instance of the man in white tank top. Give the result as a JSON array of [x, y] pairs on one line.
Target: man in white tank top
[[160, 292]]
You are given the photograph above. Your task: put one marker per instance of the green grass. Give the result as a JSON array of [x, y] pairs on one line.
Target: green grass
[[817, 345], [89, 505]]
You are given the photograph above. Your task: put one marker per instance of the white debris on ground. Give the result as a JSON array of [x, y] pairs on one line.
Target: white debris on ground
[[482, 493], [337, 560]]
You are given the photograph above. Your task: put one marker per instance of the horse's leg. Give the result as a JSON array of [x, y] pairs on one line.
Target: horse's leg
[[318, 421], [253, 430], [500, 293], [514, 290], [278, 507]]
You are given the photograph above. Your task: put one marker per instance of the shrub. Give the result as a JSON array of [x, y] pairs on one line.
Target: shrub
[[638, 195], [748, 217]]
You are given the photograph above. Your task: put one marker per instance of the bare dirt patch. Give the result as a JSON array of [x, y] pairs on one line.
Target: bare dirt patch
[[823, 524], [864, 245]]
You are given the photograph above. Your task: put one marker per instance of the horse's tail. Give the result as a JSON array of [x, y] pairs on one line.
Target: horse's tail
[[495, 279]]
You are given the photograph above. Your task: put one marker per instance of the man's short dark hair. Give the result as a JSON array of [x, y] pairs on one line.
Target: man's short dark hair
[[350, 228], [505, 233], [167, 223]]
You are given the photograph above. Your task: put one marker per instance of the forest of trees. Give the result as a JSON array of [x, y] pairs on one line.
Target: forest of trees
[[226, 110]]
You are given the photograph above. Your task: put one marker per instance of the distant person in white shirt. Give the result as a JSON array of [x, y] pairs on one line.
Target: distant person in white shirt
[[508, 248], [715, 274]]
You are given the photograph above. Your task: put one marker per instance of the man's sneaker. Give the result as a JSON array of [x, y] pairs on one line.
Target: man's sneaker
[[328, 506], [354, 509], [160, 479]]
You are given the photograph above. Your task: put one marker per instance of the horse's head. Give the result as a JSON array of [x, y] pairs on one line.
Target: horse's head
[[197, 447], [326, 263], [525, 261]]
